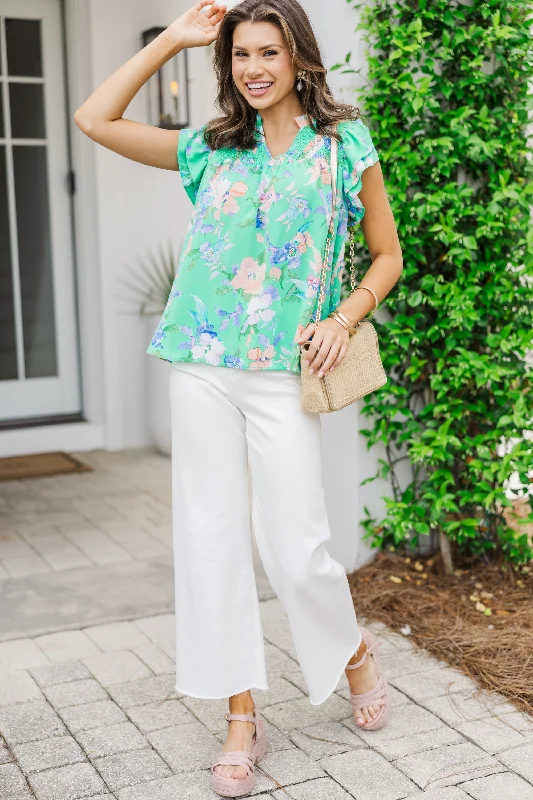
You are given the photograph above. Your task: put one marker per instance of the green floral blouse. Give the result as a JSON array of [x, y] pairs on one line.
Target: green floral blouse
[[249, 271]]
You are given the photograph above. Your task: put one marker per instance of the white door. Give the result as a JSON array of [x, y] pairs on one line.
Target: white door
[[39, 374]]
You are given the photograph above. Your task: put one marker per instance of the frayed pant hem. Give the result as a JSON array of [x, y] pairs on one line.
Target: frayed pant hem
[[189, 693], [330, 692]]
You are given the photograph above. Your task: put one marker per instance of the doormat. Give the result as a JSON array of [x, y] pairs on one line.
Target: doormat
[[39, 465]]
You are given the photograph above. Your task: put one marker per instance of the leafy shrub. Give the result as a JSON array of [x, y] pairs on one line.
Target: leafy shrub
[[447, 100]]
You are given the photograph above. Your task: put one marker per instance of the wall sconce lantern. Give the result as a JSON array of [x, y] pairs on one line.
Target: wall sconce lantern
[[168, 89]]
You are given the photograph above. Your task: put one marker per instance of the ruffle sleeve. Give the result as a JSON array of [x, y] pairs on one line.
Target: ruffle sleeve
[[357, 152], [193, 155]]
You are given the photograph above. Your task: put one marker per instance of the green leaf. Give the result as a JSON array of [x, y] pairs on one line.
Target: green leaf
[[415, 299]]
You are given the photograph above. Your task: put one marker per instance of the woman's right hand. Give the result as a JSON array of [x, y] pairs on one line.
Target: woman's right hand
[[196, 28]]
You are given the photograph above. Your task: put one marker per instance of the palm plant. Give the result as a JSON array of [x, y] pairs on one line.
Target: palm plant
[[150, 282]]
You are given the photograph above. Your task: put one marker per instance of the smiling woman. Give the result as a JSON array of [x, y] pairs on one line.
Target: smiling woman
[[270, 62], [242, 302], [258, 88], [265, 55]]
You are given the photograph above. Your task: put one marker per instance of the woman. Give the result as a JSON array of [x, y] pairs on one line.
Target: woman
[[240, 308]]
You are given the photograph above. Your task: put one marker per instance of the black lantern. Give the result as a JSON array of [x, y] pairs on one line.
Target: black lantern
[[168, 89]]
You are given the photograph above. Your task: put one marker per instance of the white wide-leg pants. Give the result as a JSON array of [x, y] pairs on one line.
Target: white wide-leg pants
[[221, 418]]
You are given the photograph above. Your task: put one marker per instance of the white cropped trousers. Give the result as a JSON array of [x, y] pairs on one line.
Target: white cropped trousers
[[222, 418]]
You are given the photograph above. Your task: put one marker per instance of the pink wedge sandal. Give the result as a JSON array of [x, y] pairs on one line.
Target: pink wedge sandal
[[235, 787], [380, 695]]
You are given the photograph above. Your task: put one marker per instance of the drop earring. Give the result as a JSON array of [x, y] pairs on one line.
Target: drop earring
[[299, 85]]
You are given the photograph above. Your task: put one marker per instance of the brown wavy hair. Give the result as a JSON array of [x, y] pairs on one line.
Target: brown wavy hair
[[236, 128]]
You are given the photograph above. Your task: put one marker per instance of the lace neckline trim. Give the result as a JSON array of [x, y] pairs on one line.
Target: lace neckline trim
[[304, 141], [303, 123]]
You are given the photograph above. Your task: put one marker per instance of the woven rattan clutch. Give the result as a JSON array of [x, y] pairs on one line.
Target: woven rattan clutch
[[359, 373], [361, 370]]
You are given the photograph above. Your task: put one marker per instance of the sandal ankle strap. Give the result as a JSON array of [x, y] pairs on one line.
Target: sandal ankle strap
[[369, 649], [242, 717]]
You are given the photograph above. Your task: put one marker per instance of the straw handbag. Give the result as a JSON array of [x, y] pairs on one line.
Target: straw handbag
[[361, 370]]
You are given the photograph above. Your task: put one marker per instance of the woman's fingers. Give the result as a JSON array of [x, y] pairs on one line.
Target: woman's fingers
[[330, 352], [326, 349], [312, 351], [323, 347], [214, 19], [331, 357], [340, 354], [306, 333], [215, 12], [220, 16], [323, 358]]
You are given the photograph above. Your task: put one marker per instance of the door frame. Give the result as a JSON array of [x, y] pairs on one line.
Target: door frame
[[91, 433], [87, 253]]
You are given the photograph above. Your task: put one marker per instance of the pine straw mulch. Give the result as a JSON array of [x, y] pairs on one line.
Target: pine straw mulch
[[447, 615]]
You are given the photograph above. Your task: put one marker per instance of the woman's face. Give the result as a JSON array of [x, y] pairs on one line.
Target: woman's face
[[260, 55]]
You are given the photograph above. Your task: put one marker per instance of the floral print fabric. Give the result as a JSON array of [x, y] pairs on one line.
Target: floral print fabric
[[249, 272]]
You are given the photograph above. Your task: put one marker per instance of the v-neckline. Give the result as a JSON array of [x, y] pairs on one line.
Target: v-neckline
[[302, 121]]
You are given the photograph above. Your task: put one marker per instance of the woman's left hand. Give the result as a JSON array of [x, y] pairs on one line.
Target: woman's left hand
[[328, 346]]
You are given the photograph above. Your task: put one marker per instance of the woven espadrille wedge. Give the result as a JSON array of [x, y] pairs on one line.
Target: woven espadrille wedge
[[380, 695], [235, 787]]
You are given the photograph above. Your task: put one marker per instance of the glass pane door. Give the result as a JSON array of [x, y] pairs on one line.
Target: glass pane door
[[38, 363]]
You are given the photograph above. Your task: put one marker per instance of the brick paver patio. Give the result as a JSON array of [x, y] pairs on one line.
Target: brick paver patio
[[87, 701]]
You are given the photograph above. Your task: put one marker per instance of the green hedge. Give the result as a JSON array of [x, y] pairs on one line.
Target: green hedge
[[447, 102]]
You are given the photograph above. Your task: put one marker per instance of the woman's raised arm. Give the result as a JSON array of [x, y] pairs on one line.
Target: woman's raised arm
[[101, 116]]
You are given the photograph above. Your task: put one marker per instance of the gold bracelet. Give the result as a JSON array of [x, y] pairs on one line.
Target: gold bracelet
[[345, 318], [334, 315], [371, 313]]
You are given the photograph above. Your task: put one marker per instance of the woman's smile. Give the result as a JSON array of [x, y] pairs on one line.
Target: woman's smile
[[258, 88]]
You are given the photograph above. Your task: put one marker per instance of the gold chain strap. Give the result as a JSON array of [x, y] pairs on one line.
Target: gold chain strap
[[322, 282], [352, 258], [331, 230], [323, 273]]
